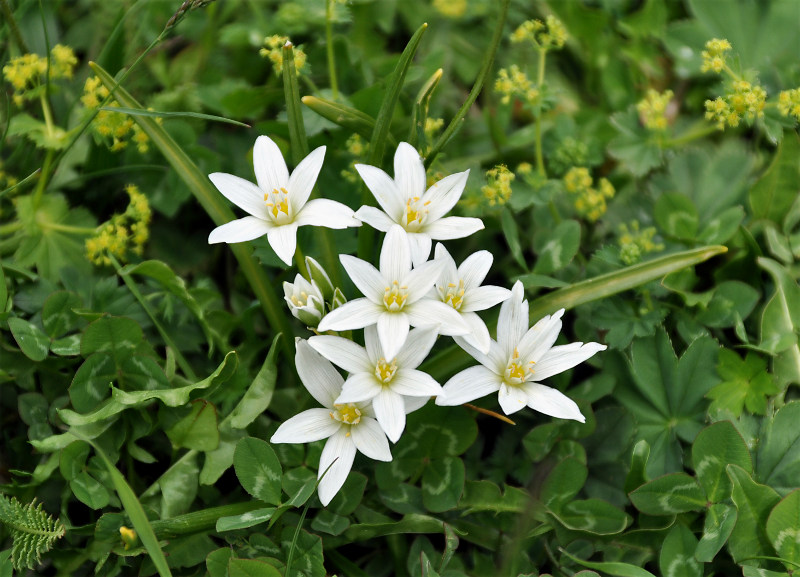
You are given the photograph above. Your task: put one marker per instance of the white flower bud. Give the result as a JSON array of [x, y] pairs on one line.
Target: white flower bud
[[305, 300]]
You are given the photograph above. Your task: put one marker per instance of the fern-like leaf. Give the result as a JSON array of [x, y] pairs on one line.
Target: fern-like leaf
[[33, 531]]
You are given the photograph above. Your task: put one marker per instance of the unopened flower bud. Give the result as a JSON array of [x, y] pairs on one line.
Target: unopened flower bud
[[305, 300], [320, 277]]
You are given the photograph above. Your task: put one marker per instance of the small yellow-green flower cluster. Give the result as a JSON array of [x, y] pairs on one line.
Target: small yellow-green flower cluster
[[633, 242], [746, 101], [653, 109], [548, 35], [514, 82], [498, 189], [113, 126], [25, 72], [273, 49], [590, 201], [789, 103], [714, 55], [122, 233], [357, 148], [451, 8]]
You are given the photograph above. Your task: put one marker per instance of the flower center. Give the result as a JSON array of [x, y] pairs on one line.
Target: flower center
[[453, 294], [302, 300], [516, 370], [278, 205], [394, 296], [416, 211], [348, 414], [385, 371]]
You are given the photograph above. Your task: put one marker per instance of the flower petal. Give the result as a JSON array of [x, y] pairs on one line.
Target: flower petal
[[452, 227], [375, 217], [478, 335], [327, 213], [475, 267], [305, 174], [430, 313], [414, 403], [420, 246], [373, 344], [468, 385], [283, 240], [370, 439], [395, 259], [342, 352], [420, 280], [564, 357], [552, 402], [384, 190], [413, 383], [366, 277], [495, 360], [540, 337], [335, 463], [418, 344], [359, 388], [450, 273], [240, 230], [392, 332], [269, 166], [317, 374], [409, 172], [512, 399], [391, 413], [241, 192], [444, 195], [307, 427], [356, 314], [483, 297], [513, 320]]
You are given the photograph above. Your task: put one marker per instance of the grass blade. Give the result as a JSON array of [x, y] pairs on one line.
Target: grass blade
[[345, 116], [159, 114]]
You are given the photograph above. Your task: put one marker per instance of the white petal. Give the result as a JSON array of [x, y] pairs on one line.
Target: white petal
[[444, 195], [305, 174], [418, 344], [478, 335], [468, 385], [420, 280], [327, 213], [317, 374], [366, 277], [513, 320], [562, 358], [359, 388], [392, 332], [475, 268], [540, 337], [355, 314], [307, 427], [409, 172], [339, 450], [370, 439], [495, 360], [414, 403], [484, 297], [512, 399], [342, 352], [413, 383], [552, 402], [430, 313], [391, 413], [453, 227], [283, 240], [395, 259], [373, 345], [384, 190], [241, 192], [420, 245], [269, 166], [449, 273], [240, 230], [375, 217]]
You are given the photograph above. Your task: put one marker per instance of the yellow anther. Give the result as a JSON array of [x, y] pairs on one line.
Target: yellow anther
[[385, 371], [394, 296], [349, 414]]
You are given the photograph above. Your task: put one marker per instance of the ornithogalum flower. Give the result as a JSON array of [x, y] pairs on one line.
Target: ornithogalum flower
[[349, 427], [279, 203], [517, 361], [394, 296], [305, 300], [405, 201], [460, 288], [393, 385]]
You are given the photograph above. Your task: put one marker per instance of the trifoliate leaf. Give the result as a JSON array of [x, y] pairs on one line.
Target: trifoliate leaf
[[746, 383]]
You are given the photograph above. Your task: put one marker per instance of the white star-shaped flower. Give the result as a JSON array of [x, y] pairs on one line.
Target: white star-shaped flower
[[279, 203], [461, 289], [517, 361], [394, 387], [405, 201], [395, 297], [349, 427]]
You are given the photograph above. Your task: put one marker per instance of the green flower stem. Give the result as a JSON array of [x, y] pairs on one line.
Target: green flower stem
[[486, 67], [330, 49], [8, 17], [49, 165], [202, 520], [10, 228], [131, 284], [690, 136], [538, 124]]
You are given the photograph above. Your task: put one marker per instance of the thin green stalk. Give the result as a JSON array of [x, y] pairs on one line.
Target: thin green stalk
[[8, 17], [293, 546], [330, 49], [538, 124], [129, 282], [44, 176], [690, 136], [473, 95]]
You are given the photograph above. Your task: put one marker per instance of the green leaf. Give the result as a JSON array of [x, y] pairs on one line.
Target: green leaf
[[746, 383], [291, 94], [217, 562], [245, 520], [258, 469], [778, 457], [715, 447], [3, 290], [637, 474], [633, 147], [330, 523], [422, 103], [563, 483], [442, 484], [118, 336], [220, 459], [719, 523], [197, 430], [350, 119], [299, 483], [731, 301], [251, 568], [411, 523], [349, 496], [259, 394], [783, 528], [486, 496], [753, 505], [772, 196], [780, 323], [32, 341], [89, 491], [72, 459], [612, 568], [670, 494], [593, 516], [32, 530], [677, 554], [561, 246], [92, 381], [178, 486], [676, 215], [511, 234], [58, 317], [161, 114]]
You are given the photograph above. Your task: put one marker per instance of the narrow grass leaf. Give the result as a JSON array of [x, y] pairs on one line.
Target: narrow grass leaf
[[161, 114]]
